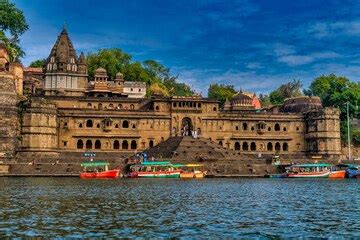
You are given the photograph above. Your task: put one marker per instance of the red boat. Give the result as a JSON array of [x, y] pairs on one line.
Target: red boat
[[98, 170]]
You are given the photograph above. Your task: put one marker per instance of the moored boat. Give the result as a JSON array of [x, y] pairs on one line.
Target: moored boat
[[191, 170], [98, 170], [353, 172], [338, 171], [154, 170], [312, 170]]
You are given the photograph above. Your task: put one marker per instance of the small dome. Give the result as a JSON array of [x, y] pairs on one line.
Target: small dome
[[119, 75], [241, 97], [100, 71], [241, 100]]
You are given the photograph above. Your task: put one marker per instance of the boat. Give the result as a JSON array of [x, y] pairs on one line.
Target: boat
[[353, 171], [338, 171], [191, 170], [98, 169], [312, 170], [154, 170]]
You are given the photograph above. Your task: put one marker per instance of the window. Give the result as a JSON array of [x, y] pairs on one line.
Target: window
[[277, 127], [88, 144], [116, 144], [220, 143], [111, 105], [89, 105], [285, 147], [297, 128], [89, 123], [199, 105], [116, 125], [80, 125], [157, 108], [100, 106], [237, 146], [97, 144], [125, 145], [79, 144], [245, 146], [269, 129], [252, 128], [277, 146], [125, 124], [139, 89], [237, 128], [65, 124], [244, 126], [151, 143], [133, 144], [98, 125], [131, 89], [214, 109], [65, 143], [174, 104], [120, 106], [269, 146], [132, 107], [253, 146], [133, 126], [284, 129]]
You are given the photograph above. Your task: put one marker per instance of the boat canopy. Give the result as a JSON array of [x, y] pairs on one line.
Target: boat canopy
[[178, 165], [310, 165], [155, 163], [94, 164], [194, 165]]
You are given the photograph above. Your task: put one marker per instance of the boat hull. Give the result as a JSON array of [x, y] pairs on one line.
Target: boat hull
[[158, 174], [309, 175], [105, 174], [352, 173], [192, 175], [337, 174]]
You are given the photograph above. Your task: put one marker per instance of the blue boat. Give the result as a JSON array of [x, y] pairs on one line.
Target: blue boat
[[353, 172]]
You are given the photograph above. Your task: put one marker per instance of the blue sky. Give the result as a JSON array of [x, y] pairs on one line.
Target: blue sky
[[254, 45]]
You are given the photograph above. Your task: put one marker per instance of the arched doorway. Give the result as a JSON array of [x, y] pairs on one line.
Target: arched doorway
[[186, 126]]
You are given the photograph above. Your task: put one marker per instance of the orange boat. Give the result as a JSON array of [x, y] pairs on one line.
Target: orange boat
[[98, 170], [337, 171]]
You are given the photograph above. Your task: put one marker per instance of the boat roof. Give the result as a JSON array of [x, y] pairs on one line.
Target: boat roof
[[312, 165], [94, 164], [194, 165], [155, 163]]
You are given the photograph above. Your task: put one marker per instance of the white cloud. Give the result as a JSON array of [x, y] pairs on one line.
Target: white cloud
[[332, 29]]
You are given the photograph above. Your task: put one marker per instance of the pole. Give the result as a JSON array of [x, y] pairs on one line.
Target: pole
[[348, 129]]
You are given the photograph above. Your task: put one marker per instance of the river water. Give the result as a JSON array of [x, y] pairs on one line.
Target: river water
[[163, 208]]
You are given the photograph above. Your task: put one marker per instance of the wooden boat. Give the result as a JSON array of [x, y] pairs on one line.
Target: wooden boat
[[98, 170], [154, 170], [313, 170], [191, 170], [338, 171], [353, 172]]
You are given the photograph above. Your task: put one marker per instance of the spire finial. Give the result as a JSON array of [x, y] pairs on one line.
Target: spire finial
[[64, 30]]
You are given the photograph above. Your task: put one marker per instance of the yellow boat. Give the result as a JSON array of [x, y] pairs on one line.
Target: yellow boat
[[192, 171]]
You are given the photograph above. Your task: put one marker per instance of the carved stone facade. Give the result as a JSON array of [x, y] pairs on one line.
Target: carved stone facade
[[76, 115]]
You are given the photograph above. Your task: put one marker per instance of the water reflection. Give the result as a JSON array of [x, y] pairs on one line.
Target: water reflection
[[70, 207]]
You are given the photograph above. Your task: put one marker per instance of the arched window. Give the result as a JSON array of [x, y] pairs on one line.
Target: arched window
[[220, 143], [98, 125], [88, 144], [277, 146], [89, 123], [245, 146], [79, 144], [237, 146], [97, 144], [214, 109], [120, 106], [111, 105], [100, 106], [132, 107], [125, 144], [116, 125], [89, 105], [284, 129], [125, 124], [244, 126], [277, 127], [237, 128], [157, 108], [253, 146], [133, 144], [116, 144], [285, 147], [269, 129], [151, 143], [65, 124], [269, 146], [80, 125]]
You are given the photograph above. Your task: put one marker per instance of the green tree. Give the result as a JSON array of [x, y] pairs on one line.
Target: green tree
[[336, 91], [287, 90], [221, 92], [264, 100], [12, 25], [37, 63]]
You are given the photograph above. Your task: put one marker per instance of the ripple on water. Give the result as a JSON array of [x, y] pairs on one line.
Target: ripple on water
[[208, 208]]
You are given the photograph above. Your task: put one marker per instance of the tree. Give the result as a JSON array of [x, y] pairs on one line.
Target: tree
[[287, 90], [37, 63], [221, 92], [150, 71], [264, 100], [336, 91], [12, 25]]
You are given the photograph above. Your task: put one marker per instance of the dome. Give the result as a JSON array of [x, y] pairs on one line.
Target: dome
[[100, 71], [241, 100], [241, 97], [119, 75]]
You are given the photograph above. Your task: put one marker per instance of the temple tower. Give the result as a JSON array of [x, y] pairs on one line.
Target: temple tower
[[65, 73]]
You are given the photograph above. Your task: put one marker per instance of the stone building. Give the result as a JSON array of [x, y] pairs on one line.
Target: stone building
[[75, 115]]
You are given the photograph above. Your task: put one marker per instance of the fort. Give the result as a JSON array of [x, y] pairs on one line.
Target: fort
[[54, 114]]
